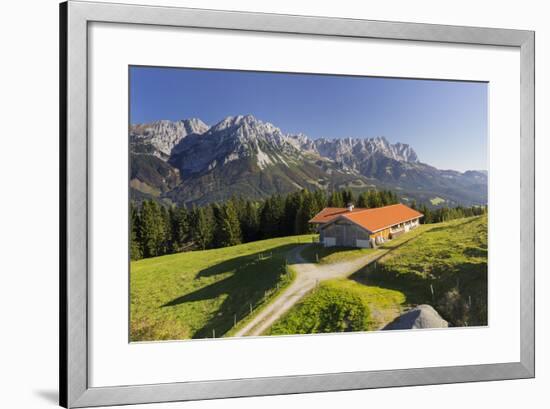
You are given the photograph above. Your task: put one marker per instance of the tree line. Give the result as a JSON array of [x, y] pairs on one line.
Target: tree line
[[444, 214], [156, 229]]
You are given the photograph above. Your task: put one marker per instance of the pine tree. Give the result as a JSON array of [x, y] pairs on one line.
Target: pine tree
[[278, 209], [152, 229], [362, 200], [427, 215], [135, 227], [394, 198], [173, 216], [336, 199], [182, 228], [166, 244], [227, 230], [373, 199], [218, 238], [384, 199], [347, 197], [305, 213], [178, 222], [292, 205], [249, 222], [146, 234], [202, 227], [320, 197], [267, 220]]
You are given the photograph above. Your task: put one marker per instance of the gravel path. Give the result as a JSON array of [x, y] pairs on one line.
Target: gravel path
[[308, 275]]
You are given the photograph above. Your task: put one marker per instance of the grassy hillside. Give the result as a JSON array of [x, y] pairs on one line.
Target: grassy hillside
[[340, 306], [202, 293], [193, 294], [450, 259]]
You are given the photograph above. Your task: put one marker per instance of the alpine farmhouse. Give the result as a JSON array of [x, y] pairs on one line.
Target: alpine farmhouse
[[358, 227]]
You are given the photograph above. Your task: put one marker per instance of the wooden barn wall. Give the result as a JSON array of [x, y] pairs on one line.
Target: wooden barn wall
[[382, 233], [345, 233]]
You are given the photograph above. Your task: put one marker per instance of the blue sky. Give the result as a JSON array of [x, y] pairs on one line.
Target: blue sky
[[444, 121]]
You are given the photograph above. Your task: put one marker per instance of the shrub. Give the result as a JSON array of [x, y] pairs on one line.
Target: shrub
[[328, 309]]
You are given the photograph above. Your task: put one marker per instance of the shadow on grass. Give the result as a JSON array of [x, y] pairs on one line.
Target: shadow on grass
[[252, 276], [415, 287], [244, 262], [476, 252], [458, 292]]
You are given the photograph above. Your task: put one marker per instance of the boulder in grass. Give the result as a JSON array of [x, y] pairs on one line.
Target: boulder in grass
[[422, 316]]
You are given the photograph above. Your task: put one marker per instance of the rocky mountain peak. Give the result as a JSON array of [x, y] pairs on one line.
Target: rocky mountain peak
[[163, 135], [245, 133], [244, 121], [246, 130], [194, 125], [353, 150], [244, 155]]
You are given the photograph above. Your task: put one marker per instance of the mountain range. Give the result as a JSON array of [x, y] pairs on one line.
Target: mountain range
[[188, 162]]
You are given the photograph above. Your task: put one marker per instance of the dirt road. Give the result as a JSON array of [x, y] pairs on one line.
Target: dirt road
[[308, 275]]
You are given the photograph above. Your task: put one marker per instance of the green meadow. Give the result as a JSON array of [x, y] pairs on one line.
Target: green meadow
[[200, 294], [211, 293]]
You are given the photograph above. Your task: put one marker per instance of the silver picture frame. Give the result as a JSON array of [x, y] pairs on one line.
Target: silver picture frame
[[75, 16]]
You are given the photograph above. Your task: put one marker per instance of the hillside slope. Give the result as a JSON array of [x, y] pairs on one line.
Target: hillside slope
[[448, 257], [451, 260], [200, 294]]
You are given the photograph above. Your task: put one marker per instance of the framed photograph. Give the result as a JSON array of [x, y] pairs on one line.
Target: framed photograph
[[257, 204]]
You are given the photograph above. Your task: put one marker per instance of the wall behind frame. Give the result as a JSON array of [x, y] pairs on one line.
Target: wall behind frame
[[29, 205]]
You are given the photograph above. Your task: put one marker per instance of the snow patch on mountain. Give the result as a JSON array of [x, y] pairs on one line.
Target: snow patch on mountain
[[263, 160]]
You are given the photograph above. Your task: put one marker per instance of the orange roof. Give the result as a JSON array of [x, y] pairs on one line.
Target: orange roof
[[371, 219], [329, 213]]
